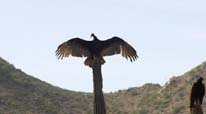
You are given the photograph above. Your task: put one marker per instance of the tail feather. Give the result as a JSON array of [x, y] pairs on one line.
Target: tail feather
[[89, 61]]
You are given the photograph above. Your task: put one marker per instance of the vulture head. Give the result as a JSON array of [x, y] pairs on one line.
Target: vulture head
[[94, 36], [200, 79]]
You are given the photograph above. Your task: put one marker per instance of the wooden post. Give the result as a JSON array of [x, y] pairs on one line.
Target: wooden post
[[99, 104]]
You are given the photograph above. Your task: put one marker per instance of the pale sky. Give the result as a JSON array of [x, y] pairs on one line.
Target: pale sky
[[169, 36]]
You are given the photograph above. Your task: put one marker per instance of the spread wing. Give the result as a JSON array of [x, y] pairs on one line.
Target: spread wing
[[75, 47], [116, 45]]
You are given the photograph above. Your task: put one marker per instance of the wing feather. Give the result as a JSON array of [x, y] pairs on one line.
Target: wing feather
[[74, 47], [117, 45]]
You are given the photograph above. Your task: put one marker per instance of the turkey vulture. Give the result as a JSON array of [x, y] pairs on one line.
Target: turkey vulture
[[197, 93], [96, 48]]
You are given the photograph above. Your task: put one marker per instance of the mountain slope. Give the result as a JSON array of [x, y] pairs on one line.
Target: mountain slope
[[172, 98], [23, 94]]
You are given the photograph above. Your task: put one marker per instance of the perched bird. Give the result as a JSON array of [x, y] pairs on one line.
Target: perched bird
[[96, 49], [197, 93]]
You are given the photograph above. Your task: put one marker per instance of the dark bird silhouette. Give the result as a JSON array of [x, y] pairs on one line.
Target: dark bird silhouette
[[96, 48], [197, 93]]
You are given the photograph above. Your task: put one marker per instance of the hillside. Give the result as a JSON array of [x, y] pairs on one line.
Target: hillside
[[24, 94]]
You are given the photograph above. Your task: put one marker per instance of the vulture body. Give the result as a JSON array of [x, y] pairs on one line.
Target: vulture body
[[197, 93], [96, 48]]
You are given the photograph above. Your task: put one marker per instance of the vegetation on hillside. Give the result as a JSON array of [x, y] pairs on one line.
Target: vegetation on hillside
[[24, 94]]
